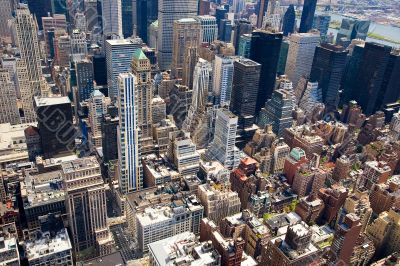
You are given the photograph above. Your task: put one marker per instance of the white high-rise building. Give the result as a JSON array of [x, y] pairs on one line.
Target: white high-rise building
[[8, 99], [119, 55], [129, 152], [27, 40], [209, 28], [112, 19], [222, 80], [168, 12], [86, 205], [300, 55], [97, 108], [78, 45], [223, 146]]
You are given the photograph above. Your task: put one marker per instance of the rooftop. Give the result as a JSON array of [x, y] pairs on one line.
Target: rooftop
[[46, 101]]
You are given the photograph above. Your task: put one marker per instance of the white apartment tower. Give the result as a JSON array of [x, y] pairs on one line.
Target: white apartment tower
[[222, 80], [97, 108], [86, 205], [112, 19], [129, 150], [300, 55], [168, 12], [223, 146], [209, 28]]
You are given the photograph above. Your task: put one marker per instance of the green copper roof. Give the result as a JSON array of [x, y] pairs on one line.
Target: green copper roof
[[139, 55]]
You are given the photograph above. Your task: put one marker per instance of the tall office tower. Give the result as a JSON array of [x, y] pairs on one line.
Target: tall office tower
[[39, 8], [97, 108], [223, 147], [204, 8], [308, 96], [9, 112], [242, 26], [112, 19], [283, 55], [5, 17], [327, 69], [246, 78], [191, 58], [265, 50], [277, 112], [222, 80], [262, 10], [321, 23], [109, 129], [300, 55], [80, 22], [238, 6], [84, 79], [244, 46], [344, 240], [168, 12], [92, 15], [289, 21], [78, 45], [220, 14], [390, 85], [86, 205], [129, 150], [225, 30], [209, 28], [141, 69], [62, 48], [119, 55], [307, 16], [198, 122], [128, 14], [351, 29], [55, 125], [368, 86], [186, 34], [27, 40]]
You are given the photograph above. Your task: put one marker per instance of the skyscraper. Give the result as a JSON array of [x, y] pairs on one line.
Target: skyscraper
[[168, 12], [27, 40], [78, 45], [307, 16], [300, 55], [351, 29], [223, 146], [244, 46], [327, 69], [225, 30], [86, 205], [112, 18], [222, 80], [242, 26], [246, 78], [128, 15], [97, 108], [5, 16], [289, 20], [209, 28], [8, 99], [186, 35], [367, 86], [119, 55], [55, 125], [321, 23], [141, 69], [129, 151], [84, 79], [262, 9], [265, 50], [277, 112]]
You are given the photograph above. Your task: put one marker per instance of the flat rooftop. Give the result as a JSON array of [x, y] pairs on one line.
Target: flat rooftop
[[46, 101]]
